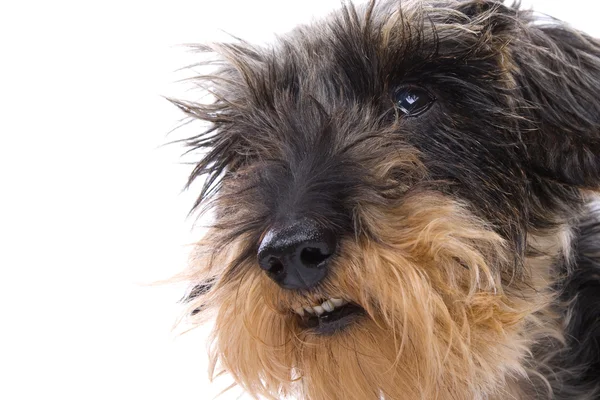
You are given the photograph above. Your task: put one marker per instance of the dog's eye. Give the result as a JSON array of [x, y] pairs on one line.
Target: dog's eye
[[412, 100]]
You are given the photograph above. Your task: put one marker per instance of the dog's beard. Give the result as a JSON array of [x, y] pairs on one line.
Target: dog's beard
[[435, 324]]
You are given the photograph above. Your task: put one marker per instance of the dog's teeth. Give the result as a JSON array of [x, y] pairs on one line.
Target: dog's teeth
[[328, 306], [337, 302]]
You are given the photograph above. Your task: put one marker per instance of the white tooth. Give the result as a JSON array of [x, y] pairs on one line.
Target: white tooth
[[319, 310], [328, 306], [299, 311], [337, 302], [309, 310]]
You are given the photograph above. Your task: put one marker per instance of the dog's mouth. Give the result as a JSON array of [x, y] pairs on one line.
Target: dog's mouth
[[328, 317]]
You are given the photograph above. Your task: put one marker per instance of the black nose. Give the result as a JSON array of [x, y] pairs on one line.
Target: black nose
[[296, 255]]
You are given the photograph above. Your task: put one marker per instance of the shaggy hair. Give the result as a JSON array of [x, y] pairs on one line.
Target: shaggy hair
[[467, 234]]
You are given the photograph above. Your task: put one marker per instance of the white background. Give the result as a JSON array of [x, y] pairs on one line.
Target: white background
[[90, 203]]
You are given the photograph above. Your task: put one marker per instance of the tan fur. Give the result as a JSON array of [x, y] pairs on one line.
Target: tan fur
[[439, 323]]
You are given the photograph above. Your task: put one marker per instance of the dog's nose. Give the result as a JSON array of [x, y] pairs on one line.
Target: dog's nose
[[296, 255]]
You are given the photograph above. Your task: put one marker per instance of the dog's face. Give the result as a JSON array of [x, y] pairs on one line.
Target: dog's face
[[374, 178]]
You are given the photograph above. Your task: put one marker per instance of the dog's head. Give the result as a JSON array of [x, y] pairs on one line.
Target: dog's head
[[374, 178]]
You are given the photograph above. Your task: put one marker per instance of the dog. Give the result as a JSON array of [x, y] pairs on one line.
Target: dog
[[404, 206]]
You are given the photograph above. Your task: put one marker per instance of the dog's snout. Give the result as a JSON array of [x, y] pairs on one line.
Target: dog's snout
[[296, 255]]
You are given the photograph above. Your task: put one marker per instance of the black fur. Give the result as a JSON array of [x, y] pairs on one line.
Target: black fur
[[580, 360]]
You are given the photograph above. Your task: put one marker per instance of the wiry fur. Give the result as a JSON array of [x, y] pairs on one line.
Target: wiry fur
[[466, 234]]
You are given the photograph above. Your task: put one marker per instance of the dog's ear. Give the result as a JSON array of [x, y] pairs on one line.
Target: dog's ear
[[556, 72]]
